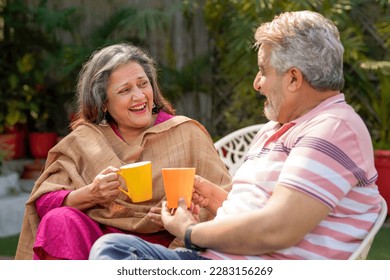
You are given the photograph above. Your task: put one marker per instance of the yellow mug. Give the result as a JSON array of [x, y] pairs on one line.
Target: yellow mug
[[178, 183], [138, 179]]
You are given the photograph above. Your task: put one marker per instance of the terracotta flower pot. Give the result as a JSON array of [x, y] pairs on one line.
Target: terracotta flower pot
[[14, 143], [41, 143], [382, 165]]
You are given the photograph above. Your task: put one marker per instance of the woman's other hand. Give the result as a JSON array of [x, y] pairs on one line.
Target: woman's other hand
[[155, 215]]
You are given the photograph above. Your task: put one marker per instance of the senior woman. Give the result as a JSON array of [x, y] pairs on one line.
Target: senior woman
[[122, 118]]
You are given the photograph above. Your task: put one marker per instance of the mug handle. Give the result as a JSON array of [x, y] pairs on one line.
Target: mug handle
[[122, 190]]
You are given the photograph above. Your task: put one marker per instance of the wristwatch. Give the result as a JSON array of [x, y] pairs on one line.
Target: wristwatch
[[187, 239]]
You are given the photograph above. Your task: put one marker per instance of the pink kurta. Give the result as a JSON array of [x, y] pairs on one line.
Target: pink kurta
[[83, 232], [78, 231]]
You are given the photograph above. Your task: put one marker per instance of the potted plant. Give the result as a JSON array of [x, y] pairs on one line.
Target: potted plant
[[42, 106], [13, 121], [29, 101], [378, 105], [30, 70], [29, 105]]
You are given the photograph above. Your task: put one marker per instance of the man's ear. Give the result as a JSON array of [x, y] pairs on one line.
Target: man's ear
[[295, 77]]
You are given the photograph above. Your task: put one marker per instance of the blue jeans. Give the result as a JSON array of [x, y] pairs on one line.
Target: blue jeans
[[116, 246]]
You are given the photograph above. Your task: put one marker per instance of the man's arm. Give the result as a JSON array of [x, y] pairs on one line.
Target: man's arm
[[286, 218]]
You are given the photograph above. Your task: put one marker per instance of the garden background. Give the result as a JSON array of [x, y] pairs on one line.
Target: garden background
[[204, 50]]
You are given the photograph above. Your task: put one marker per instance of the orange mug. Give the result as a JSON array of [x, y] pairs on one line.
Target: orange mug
[[178, 183]]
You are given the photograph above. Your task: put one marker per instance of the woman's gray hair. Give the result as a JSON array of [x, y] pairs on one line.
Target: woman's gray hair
[[308, 41], [93, 80]]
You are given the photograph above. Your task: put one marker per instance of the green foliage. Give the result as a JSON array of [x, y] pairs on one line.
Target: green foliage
[[379, 102], [8, 245], [190, 78], [364, 30], [30, 86], [231, 25], [41, 74], [381, 245], [41, 68]]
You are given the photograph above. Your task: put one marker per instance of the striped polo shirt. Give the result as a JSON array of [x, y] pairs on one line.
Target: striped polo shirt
[[327, 154]]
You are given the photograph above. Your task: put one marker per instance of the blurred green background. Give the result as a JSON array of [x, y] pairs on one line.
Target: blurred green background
[[204, 50]]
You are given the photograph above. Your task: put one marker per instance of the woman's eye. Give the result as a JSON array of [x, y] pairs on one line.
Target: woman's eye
[[143, 84], [123, 91]]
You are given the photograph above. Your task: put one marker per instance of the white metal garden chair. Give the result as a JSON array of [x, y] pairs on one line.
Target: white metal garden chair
[[233, 147], [362, 251]]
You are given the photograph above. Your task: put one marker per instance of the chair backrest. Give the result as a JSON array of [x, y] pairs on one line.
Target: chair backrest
[[362, 251], [233, 147]]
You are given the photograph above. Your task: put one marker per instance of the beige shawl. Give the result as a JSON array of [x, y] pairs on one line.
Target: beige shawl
[[75, 161]]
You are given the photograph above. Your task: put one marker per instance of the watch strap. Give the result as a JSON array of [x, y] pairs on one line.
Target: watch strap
[[187, 239]]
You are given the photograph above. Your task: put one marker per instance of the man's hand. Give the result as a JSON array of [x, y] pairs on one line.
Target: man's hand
[[202, 191], [207, 194], [177, 220]]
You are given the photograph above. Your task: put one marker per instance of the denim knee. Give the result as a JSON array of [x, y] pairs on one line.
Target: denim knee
[[114, 246]]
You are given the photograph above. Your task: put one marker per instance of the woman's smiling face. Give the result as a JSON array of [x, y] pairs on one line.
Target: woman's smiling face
[[130, 97]]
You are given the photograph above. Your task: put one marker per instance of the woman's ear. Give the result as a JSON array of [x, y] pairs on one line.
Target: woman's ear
[[295, 77]]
